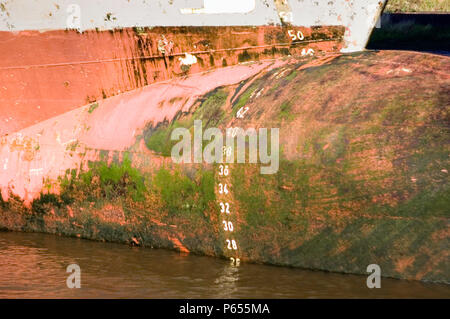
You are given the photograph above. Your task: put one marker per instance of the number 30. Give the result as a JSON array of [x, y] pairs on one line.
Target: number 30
[[228, 226]]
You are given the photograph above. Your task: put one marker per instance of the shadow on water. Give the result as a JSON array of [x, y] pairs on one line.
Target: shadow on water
[[414, 32], [34, 266]]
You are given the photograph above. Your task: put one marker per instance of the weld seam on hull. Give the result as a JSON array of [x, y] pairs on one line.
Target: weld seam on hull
[[164, 56]]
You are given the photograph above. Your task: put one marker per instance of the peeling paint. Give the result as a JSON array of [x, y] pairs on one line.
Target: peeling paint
[[358, 16], [363, 178], [124, 60]]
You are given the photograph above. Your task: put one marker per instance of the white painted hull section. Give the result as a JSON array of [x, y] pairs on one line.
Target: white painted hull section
[[358, 16]]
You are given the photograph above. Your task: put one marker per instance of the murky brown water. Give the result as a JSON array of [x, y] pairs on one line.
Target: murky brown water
[[34, 266]]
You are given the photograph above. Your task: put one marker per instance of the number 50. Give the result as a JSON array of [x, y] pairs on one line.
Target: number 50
[[295, 37]]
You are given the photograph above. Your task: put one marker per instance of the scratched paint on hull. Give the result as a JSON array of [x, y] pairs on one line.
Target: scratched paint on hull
[[46, 74], [357, 16]]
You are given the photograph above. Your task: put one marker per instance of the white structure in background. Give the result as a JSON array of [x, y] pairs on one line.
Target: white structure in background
[[358, 16], [218, 7]]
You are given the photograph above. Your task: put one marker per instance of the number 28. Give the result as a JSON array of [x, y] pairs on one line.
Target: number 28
[[231, 244]]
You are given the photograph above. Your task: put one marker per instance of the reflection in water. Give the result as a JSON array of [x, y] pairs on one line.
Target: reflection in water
[[34, 266], [226, 283]]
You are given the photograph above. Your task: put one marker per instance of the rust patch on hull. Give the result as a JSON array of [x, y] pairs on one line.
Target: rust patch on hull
[[44, 74]]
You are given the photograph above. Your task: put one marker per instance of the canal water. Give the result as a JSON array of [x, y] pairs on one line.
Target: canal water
[[34, 266]]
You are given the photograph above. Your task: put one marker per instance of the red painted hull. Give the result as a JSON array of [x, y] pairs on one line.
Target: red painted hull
[[44, 74]]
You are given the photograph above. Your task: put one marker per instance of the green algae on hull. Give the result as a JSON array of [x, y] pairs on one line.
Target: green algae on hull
[[363, 176], [210, 112]]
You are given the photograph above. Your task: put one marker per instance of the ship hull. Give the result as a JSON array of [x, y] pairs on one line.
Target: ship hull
[[44, 74], [91, 93], [59, 55], [362, 177]]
